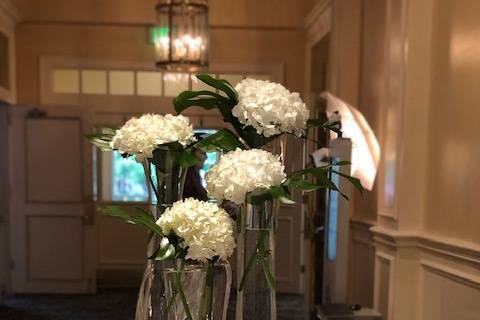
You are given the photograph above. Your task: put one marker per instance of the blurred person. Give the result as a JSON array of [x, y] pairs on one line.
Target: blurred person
[[193, 181]]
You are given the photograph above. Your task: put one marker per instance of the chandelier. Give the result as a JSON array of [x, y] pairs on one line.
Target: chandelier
[[181, 35]]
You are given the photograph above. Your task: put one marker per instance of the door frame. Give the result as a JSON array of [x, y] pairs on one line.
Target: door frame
[[317, 25]]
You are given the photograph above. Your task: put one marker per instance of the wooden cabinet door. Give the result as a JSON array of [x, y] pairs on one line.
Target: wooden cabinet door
[[51, 235]]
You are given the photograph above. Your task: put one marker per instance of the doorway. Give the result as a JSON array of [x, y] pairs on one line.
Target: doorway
[[316, 214]]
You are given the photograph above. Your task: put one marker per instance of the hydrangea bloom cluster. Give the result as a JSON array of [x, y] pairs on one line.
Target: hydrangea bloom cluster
[[206, 229], [270, 108], [141, 136], [242, 171]]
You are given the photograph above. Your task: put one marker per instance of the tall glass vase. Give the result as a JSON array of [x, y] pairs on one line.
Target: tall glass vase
[[256, 298], [166, 178], [196, 291]]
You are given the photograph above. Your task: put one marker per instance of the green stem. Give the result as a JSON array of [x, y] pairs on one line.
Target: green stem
[[206, 308], [253, 257], [178, 284], [268, 274], [148, 173], [172, 300]]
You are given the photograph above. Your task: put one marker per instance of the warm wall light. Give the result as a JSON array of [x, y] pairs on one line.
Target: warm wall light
[[181, 35]]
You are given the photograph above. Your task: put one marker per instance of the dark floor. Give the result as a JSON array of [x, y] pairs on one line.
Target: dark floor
[[111, 304]]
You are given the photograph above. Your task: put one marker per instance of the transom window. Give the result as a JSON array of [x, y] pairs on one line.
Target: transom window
[[76, 81]]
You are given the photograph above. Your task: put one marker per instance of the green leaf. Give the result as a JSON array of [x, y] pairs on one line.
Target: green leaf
[[355, 181], [322, 174], [142, 217], [286, 200], [255, 140], [325, 125], [302, 185], [207, 104], [277, 192], [221, 85], [187, 159], [100, 140], [163, 253], [223, 140]]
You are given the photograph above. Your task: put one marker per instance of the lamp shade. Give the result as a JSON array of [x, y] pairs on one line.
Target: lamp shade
[[365, 147], [181, 35]]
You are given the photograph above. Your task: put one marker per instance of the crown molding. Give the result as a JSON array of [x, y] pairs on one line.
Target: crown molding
[[316, 13], [319, 21], [10, 11]]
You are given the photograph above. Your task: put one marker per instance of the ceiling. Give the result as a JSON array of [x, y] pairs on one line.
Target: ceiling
[[232, 13]]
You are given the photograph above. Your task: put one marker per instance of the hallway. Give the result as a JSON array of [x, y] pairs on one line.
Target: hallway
[[108, 304]]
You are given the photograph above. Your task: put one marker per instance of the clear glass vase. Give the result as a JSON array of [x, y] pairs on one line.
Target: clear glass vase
[[166, 178], [196, 291], [256, 295]]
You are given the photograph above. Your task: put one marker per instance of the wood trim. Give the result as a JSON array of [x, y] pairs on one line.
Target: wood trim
[[27, 175], [390, 261], [147, 25], [447, 247], [451, 273], [8, 21], [318, 18], [11, 12]]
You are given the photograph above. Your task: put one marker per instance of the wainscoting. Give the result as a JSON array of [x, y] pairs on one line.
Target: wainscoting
[[361, 260], [423, 277]]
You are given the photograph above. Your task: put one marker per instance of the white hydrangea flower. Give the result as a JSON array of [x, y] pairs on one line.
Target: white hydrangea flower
[[242, 171], [270, 108], [141, 136], [205, 227]]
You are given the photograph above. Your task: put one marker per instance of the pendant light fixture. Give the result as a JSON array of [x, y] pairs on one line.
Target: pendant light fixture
[[181, 35]]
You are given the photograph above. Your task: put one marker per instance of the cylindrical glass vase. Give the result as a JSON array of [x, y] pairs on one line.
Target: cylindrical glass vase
[[256, 295], [196, 291], [166, 179]]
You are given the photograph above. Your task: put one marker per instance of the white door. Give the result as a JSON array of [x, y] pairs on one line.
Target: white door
[[52, 236]]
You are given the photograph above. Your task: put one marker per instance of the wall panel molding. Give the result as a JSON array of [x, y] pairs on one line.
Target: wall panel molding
[[361, 263], [461, 277], [384, 284], [446, 247], [447, 292]]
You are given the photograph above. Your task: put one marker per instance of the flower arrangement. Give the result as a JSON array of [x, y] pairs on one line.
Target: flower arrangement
[[202, 228], [142, 136], [189, 230], [240, 172], [270, 108], [259, 111]]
